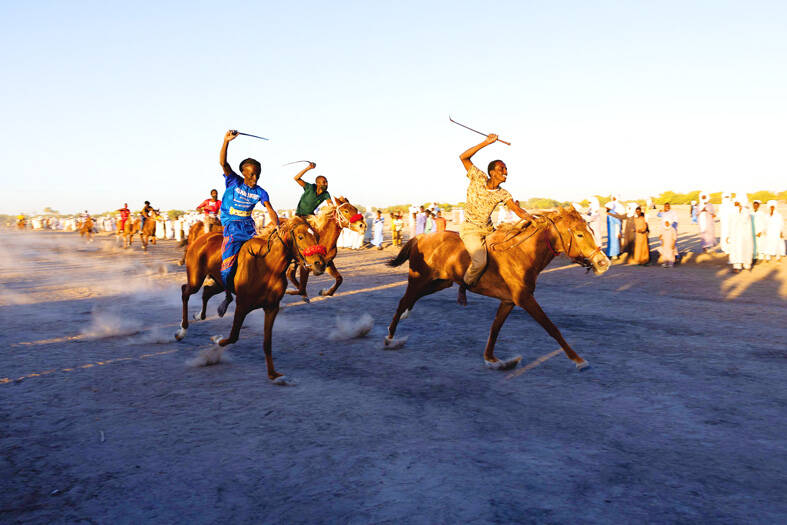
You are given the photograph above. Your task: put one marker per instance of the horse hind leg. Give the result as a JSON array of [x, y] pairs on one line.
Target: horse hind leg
[[415, 290], [529, 303], [207, 293], [338, 279]]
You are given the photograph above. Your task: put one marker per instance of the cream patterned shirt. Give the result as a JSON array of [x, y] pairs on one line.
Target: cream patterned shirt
[[481, 202]]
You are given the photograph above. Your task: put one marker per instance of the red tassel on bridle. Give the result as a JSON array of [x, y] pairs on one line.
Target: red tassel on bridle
[[317, 249], [355, 218]]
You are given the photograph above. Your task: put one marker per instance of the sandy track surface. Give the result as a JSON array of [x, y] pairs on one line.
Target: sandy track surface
[[680, 418]]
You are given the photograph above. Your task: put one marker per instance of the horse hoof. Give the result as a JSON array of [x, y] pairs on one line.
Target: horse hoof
[[324, 292], [306, 299], [215, 338], [283, 381], [180, 334], [503, 365], [404, 315], [222, 309], [389, 343], [197, 316], [584, 365]]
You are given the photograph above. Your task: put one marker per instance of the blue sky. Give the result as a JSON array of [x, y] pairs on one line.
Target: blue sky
[[109, 102]]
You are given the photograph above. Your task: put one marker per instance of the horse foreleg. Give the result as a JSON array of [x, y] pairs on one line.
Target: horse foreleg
[[222, 309], [529, 303], [301, 283], [502, 314], [291, 270], [241, 311], [337, 276], [270, 317]]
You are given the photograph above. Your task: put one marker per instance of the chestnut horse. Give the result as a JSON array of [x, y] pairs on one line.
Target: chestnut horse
[[517, 254], [148, 233], [260, 279], [328, 224], [196, 230], [130, 229]]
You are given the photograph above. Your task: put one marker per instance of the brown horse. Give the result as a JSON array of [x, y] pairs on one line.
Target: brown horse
[[260, 279], [517, 254], [196, 230], [130, 229], [86, 228], [148, 233], [328, 225]]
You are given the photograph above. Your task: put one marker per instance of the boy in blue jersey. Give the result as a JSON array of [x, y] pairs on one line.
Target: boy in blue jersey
[[240, 197]]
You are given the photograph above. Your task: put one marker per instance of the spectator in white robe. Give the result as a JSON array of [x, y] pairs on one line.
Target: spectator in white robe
[[669, 214], [774, 238], [726, 209], [707, 226], [668, 248], [377, 228], [413, 212], [760, 222], [740, 238], [595, 219]]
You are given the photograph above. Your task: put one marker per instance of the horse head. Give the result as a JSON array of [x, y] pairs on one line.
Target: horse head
[[577, 241], [348, 216], [305, 248]]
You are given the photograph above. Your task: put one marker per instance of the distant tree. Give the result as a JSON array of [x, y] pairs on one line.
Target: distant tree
[[176, 213], [50, 211]]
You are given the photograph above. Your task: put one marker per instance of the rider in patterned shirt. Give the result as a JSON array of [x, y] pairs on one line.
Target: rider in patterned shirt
[[483, 195]]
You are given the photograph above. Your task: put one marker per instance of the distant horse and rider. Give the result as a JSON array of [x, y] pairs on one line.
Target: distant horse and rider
[[86, 227], [147, 232]]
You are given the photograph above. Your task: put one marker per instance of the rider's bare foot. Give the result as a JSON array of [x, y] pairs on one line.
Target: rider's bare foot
[[461, 297]]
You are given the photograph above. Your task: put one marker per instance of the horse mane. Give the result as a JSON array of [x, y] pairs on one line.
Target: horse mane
[[318, 221], [510, 231]]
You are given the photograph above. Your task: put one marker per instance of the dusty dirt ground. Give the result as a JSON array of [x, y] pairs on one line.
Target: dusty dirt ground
[[680, 418]]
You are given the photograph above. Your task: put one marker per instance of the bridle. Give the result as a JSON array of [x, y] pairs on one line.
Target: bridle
[[339, 216], [581, 259], [299, 255]]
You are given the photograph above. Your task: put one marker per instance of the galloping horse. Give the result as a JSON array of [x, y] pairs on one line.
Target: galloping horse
[[260, 279], [148, 233], [328, 225], [130, 229], [196, 230], [86, 228], [517, 255]]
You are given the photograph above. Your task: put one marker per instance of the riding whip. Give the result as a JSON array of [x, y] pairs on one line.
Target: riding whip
[[475, 130], [249, 135], [295, 162]]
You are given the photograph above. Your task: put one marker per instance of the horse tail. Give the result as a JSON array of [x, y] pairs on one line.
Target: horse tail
[[404, 254]]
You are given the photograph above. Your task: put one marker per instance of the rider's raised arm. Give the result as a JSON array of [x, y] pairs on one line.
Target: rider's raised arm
[[467, 155], [521, 213], [300, 174], [229, 136], [271, 213]]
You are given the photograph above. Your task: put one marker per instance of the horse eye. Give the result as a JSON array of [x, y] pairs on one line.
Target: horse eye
[[579, 235], [300, 236]]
